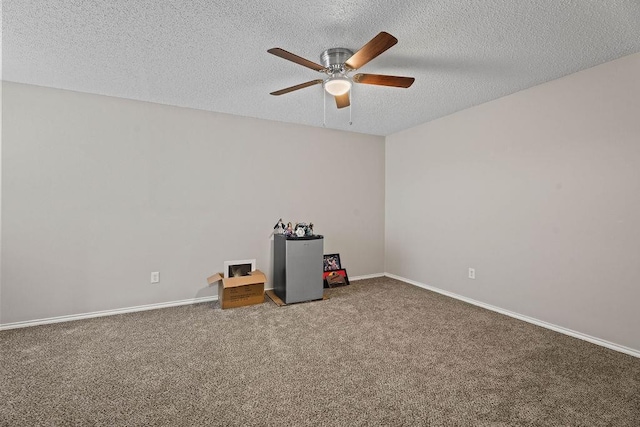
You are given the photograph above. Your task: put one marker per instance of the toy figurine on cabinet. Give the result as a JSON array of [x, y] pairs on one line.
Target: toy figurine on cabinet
[[279, 227], [289, 230]]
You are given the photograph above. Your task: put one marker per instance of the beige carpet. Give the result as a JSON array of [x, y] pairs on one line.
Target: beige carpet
[[378, 352]]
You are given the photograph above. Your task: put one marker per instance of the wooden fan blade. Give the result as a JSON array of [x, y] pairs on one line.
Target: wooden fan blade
[[295, 58], [375, 47], [296, 87], [343, 100], [382, 80]]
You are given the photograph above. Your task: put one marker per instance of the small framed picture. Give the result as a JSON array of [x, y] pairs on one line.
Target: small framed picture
[[239, 268], [333, 279], [332, 262]]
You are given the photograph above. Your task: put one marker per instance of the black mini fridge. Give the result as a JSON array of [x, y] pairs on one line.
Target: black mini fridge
[[297, 268]]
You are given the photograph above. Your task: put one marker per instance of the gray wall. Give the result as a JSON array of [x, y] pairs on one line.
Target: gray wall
[[98, 192], [539, 192]]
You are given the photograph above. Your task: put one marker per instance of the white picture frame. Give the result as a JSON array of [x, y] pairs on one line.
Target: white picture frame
[[238, 266]]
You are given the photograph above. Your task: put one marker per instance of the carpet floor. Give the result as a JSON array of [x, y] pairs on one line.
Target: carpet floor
[[377, 352]]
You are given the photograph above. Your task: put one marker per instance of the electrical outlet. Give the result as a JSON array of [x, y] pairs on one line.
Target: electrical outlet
[[155, 277], [472, 273]]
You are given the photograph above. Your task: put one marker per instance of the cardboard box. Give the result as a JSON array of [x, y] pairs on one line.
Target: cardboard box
[[239, 291]]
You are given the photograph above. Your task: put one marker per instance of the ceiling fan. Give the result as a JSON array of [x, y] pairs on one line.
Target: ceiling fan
[[339, 62]]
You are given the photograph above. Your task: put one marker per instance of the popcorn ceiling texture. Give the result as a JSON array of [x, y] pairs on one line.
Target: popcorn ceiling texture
[[212, 55]]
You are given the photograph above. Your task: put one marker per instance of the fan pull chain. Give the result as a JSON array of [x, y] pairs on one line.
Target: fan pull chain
[[350, 104], [324, 107]]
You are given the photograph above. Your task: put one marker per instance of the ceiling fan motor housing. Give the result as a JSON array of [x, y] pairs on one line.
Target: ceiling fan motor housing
[[333, 59]]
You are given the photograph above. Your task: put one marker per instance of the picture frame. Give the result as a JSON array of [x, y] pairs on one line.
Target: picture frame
[[328, 283], [239, 268], [331, 262]]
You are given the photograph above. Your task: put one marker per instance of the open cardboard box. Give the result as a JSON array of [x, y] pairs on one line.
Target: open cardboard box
[[239, 291]]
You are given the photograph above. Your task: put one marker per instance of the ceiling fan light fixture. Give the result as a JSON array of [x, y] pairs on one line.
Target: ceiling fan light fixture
[[337, 85]]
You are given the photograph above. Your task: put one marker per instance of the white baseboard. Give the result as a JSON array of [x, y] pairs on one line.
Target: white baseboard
[[366, 276], [556, 328], [59, 319], [69, 318]]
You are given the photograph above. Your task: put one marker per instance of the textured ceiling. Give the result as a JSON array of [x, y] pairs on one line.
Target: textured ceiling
[[212, 55]]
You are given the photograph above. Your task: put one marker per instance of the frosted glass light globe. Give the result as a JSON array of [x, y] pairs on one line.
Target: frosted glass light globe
[[337, 86]]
